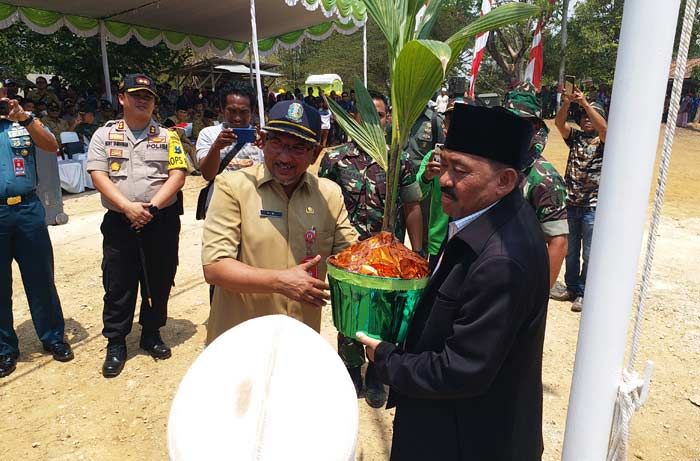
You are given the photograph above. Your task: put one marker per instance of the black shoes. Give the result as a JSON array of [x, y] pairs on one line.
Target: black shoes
[[375, 394], [114, 361], [152, 343], [60, 351], [8, 364]]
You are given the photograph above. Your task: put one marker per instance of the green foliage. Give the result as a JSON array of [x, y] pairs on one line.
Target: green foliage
[[78, 60], [367, 132], [417, 67], [338, 54]]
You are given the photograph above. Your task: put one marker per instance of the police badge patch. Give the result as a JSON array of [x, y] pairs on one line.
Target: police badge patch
[[295, 113]]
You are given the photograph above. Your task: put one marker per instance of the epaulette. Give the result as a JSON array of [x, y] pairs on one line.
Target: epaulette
[[110, 123]]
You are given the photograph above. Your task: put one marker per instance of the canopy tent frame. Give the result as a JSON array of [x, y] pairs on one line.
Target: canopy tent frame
[[114, 25]]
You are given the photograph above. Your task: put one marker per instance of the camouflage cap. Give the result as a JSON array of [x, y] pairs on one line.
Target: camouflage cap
[[598, 108], [523, 101]]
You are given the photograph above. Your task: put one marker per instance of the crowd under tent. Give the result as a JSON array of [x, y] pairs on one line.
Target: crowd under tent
[[224, 28]]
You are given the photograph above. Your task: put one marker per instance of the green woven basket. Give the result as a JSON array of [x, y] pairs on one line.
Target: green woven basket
[[381, 307]]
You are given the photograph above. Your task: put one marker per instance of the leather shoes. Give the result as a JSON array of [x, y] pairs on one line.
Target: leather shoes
[[152, 343], [8, 364], [60, 351], [114, 361]]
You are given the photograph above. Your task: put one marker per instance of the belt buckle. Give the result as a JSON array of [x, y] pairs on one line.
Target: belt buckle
[[14, 200]]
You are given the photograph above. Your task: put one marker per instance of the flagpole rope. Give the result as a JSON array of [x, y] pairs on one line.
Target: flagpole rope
[[633, 389]]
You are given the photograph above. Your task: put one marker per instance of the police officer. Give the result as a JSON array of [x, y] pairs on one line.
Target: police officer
[[24, 237], [139, 168]]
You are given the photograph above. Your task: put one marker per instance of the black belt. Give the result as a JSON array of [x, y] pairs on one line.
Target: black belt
[[17, 199]]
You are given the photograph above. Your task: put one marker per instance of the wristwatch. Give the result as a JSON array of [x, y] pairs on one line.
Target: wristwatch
[[26, 122], [154, 210]]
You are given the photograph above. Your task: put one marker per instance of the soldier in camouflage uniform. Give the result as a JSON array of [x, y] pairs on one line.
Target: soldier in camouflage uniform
[[542, 186], [586, 146], [363, 183], [426, 132]]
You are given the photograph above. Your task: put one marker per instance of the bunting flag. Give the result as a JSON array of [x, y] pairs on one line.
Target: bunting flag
[[533, 72], [479, 47]]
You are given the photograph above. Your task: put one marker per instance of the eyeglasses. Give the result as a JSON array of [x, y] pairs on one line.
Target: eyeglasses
[[278, 146]]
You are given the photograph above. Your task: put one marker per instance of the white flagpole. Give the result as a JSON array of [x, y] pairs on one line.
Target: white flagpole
[[256, 54], [641, 76]]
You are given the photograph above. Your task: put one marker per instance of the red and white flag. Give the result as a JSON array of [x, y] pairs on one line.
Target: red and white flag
[[533, 72], [479, 47]]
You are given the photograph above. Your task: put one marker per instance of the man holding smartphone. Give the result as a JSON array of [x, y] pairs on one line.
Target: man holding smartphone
[[237, 102], [582, 178]]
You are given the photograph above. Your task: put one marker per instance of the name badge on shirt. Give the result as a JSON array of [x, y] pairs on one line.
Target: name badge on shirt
[[19, 165], [270, 214]]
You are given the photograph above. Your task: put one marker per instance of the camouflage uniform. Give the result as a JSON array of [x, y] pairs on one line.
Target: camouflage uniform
[[426, 132], [364, 187], [544, 189], [582, 180], [583, 168], [363, 183]]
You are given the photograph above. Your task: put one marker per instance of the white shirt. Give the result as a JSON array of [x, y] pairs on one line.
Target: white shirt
[[442, 102], [455, 226], [208, 135]]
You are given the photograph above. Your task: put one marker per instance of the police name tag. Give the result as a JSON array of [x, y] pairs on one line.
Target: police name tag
[[270, 214]]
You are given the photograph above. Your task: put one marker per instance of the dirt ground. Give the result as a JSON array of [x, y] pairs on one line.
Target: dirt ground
[[54, 411]]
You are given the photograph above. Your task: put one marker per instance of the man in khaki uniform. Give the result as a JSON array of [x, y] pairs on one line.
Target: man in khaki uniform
[[138, 167], [270, 228], [42, 93], [54, 122]]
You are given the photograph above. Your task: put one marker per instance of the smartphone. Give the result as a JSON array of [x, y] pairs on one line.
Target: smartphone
[[436, 153], [569, 84], [245, 135]]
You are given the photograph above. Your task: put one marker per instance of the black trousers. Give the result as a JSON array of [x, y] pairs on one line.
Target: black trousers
[[123, 273]]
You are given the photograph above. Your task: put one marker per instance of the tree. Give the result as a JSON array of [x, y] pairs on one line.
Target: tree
[[78, 60], [509, 47], [338, 54]]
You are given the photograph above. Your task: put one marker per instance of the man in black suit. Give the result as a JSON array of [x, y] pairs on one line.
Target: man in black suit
[[467, 383]]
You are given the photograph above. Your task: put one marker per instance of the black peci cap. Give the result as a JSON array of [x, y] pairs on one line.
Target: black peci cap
[[493, 133], [296, 118]]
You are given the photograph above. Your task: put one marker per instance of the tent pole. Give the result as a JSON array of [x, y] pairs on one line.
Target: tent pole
[[105, 61], [364, 51], [619, 224], [256, 54], [250, 64]]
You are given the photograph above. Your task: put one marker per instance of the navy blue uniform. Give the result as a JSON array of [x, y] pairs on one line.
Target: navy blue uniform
[[24, 238]]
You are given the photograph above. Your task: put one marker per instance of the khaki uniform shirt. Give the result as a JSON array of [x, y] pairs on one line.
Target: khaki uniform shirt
[[56, 126], [137, 166], [251, 219]]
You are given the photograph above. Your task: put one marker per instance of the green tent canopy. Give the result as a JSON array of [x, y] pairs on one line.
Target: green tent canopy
[[221, 27]]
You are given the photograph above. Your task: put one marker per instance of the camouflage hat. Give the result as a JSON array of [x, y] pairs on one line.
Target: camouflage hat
[[598, 108], [523, 101]]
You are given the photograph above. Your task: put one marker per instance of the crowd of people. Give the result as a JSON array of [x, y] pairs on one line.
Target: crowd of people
[[477, 198]]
